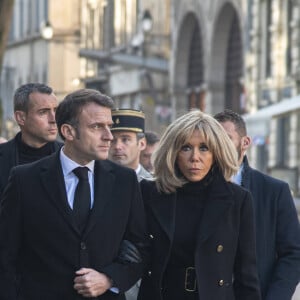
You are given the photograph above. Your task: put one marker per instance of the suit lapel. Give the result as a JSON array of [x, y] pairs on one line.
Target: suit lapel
[[245, 174], [9, 157], [219, 201], [53, 181], [164, 211], [213, 211], [103, 185]]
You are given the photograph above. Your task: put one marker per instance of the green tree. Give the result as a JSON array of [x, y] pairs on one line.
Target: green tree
[[6, 9]]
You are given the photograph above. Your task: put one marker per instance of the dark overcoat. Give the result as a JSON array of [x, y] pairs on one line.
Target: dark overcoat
[[277, 234], [9, 158], [225, 245], [41, 245]]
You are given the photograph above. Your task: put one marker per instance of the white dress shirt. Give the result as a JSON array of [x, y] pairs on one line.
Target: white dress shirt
[[237, 178], [71, 180]]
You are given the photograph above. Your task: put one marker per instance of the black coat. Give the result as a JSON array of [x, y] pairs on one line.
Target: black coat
[[9, 158], [227, 224], [277, 234], [41, 245]]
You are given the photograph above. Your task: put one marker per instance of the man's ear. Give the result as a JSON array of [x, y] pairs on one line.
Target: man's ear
[[245, 142], [68, 131], [20, 117], [142, 143]]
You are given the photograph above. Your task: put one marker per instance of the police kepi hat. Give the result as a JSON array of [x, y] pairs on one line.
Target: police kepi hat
[[128, 120]]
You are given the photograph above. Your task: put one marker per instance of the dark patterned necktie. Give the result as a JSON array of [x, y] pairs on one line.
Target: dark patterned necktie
[[82, 197]]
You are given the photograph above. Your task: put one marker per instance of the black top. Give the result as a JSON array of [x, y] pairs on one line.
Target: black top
[[28, 154], [189, 207]]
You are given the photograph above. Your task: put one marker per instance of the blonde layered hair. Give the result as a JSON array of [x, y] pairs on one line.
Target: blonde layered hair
[[177, 135]]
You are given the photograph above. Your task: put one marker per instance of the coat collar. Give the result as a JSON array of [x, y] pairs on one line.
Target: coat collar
[[245, 175], [164, 210], [218, 202], [53, 182], [57, 192], [9, 151]]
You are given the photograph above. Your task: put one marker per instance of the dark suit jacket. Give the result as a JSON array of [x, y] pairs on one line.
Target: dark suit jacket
[[41, 245], [227, 222], [278, 234], [9, 158]]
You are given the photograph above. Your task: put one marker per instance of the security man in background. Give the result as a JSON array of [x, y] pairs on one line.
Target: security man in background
[[128, 130], [129, 140], [34, 111]]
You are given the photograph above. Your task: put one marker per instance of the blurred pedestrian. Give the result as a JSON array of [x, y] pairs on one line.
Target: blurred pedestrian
[[34, 110], [152, 140], [277, 225], [63, 219], [129, 140], [201, 224]]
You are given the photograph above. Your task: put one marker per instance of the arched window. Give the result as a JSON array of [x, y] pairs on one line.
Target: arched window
[[289, 18], [196, 93], [234, 93], [268, 70]]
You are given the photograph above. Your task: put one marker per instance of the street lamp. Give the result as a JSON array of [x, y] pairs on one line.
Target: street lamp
[[145, 26], [147, 22], [50, 33], [46, 30], [63, 42]]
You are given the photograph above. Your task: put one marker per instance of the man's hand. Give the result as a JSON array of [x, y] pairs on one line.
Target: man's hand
[[90, 283]]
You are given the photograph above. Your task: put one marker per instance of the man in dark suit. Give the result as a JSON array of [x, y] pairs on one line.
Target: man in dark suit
[[42, 244], [34, 110], [277, 225]]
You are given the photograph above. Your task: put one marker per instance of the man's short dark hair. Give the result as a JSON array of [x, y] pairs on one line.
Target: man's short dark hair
[[151, 137], [21, 96], [236, 119], [69, 109]]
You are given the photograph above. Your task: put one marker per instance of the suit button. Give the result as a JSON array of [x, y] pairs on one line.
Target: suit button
[[149, 273], [151, 236], [220, 248], [82, 246], [221, 282]]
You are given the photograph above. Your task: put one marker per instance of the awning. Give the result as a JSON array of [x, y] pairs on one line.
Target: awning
[[150, 63], [258, 123]]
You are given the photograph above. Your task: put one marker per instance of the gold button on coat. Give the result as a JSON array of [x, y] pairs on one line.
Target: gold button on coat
[[221, 282], [220, 248]]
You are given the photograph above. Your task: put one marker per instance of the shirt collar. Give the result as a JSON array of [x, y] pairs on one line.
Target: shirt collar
[[68, 165], [137, 170], [237, 178]]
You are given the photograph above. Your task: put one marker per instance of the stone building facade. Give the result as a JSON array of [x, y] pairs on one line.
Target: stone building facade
[[127, 60], [207, 65], [243, 55], [237, 54], [31, 58], [272, 65]]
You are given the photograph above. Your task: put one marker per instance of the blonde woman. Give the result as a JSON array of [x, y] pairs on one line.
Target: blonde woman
[[200, 224]]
